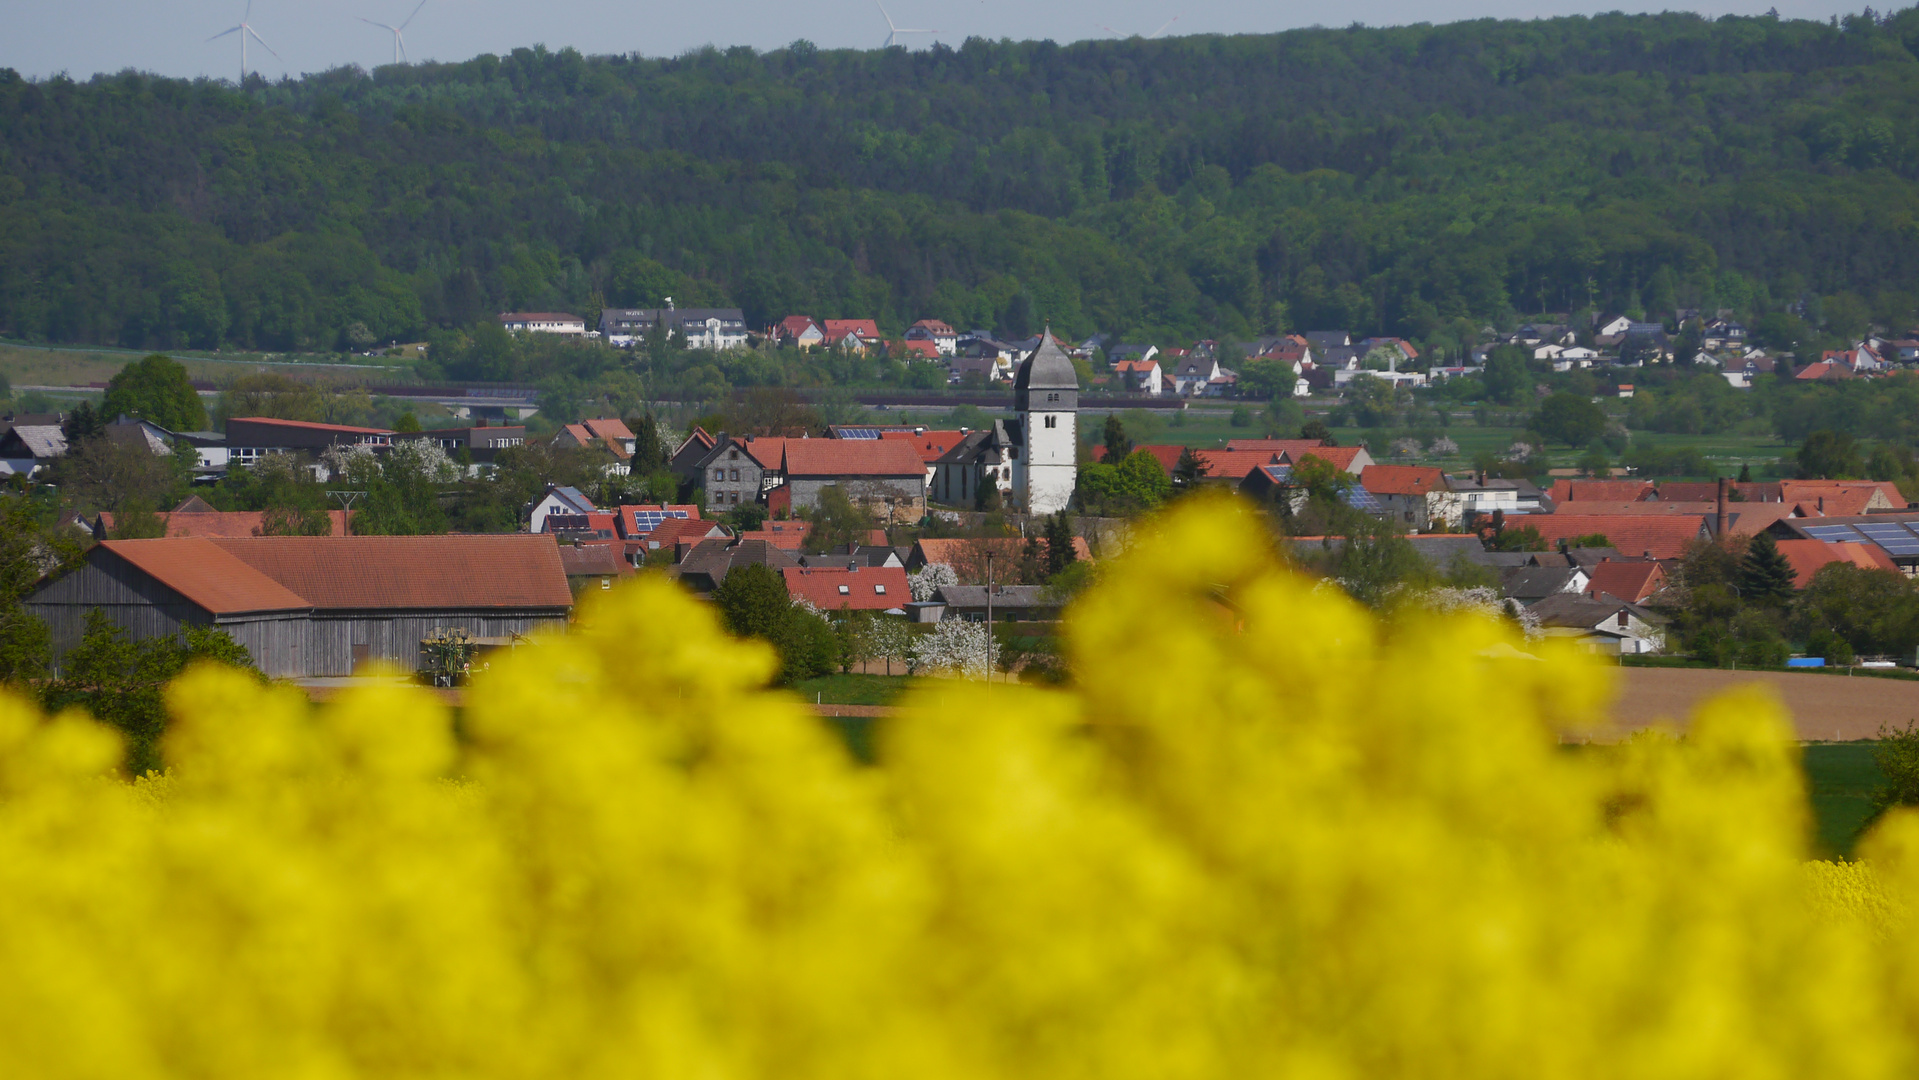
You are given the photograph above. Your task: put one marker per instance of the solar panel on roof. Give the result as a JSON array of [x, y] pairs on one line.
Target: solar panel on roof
[[1360, 499], [1832, 533], [1895, 538], [645, 521], [859, 433]]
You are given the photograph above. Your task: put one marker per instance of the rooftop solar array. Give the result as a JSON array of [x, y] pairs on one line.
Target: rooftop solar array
[[645, 521], [857, 432], [1360, 499], [1897, 538]]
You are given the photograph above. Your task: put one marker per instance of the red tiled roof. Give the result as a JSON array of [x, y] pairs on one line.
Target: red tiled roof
[[851, 457], [1608, 490], [676, 531], [608, 427], [935, 326], [865, 328], [307, 425], [1665, 536], [376, 572], [1232, 464], [1168, 456], [926, 350], [208, 576], [930, 445], [1809, 556], [796, 325], [630, 524], [1842, 496], [211, 523], [1824, 370], [1402, 479], [1657, 507], [1629, 581], [869, 588]]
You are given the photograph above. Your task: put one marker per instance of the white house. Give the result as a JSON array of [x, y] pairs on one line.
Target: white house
[[542, 322], [943, 337], [1604, 624], [558, 500]]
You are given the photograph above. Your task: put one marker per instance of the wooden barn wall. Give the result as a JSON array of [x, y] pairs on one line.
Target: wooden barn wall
[[131, 600], [323, 644]]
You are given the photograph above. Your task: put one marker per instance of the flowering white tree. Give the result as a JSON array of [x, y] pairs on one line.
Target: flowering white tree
[[424, 458], [1405, 447], [930, 578], [891, 640], [1479, 601], [354, 463], [1520, 451], [1442, 447], [964, 649]]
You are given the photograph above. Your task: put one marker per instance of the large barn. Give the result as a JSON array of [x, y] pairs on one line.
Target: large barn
[[309, 606]]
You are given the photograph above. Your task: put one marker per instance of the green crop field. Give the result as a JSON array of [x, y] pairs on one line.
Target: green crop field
[[1840, 778], [26, 365]]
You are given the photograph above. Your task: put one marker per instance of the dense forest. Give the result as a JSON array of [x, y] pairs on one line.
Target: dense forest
[[1421, 180]]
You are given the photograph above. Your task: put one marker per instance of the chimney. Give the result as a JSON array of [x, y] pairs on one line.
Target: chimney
[[1719, 518], [1822, 506]]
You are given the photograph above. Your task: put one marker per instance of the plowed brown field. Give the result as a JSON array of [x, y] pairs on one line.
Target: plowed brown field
[[1825, 708]]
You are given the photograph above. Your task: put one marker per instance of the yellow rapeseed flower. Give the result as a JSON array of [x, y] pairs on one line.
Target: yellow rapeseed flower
[[1265, 834]]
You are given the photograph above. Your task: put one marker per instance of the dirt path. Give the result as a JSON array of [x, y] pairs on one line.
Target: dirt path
[[1825, 708]]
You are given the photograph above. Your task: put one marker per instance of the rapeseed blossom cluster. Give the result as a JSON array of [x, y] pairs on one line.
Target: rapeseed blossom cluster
[[1265, 834]]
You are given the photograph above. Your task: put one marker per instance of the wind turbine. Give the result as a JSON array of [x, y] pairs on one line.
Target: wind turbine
[[1149, 37], [892, 37], [399, 42], [245, 31]]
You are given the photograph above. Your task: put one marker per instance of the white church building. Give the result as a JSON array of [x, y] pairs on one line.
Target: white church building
[[1033, 458]]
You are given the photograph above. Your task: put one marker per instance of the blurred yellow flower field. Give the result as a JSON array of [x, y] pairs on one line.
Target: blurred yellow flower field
[[1265, 835]]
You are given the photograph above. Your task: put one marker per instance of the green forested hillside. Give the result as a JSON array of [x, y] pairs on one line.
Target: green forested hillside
[[1419, 181]]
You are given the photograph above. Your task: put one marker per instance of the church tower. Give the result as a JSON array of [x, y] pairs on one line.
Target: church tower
[[1046, 457]]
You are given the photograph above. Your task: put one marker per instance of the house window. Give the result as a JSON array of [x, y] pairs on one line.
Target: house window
[[732, 455], [880, 589], [1622, 620], [719, 474], [732, 474], [844, 589]]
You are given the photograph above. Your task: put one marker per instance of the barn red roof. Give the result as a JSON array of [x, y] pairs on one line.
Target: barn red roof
[[374, 572], [931, 445]]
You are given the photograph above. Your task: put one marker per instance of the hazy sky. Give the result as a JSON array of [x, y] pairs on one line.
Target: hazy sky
[[82, 37]]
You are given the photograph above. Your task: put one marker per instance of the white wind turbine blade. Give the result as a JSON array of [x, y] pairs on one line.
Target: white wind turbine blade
[[224, 33], [892, 32], [1162, 29], [409, 18], [399, 42], [264, 45]]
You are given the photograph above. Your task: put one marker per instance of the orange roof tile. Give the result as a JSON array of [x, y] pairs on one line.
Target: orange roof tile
[[1340, 456], [208, 576], [1402, 479], [1278, 446]]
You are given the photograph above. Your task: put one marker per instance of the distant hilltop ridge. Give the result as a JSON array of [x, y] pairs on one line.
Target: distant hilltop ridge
[[1416, 181]]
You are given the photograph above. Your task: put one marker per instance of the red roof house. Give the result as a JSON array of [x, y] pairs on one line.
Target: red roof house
[[865, 588]]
